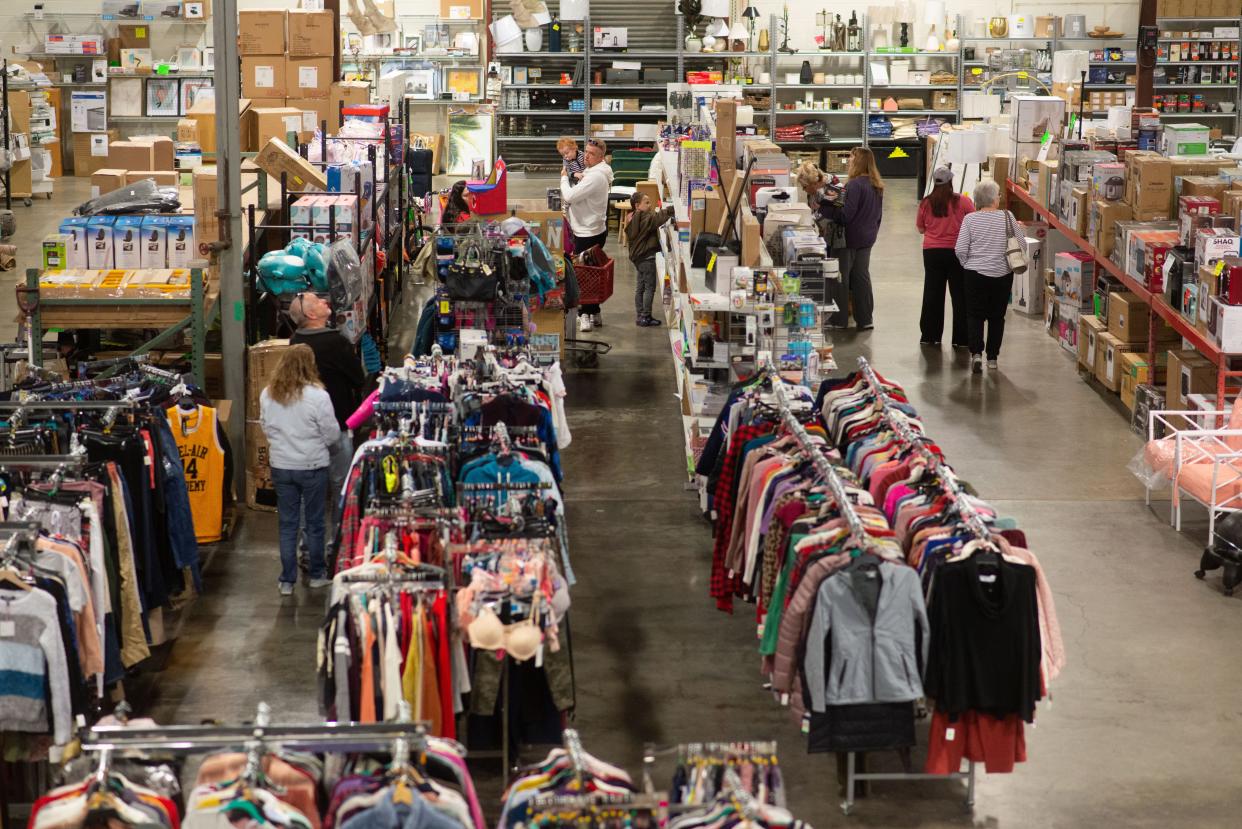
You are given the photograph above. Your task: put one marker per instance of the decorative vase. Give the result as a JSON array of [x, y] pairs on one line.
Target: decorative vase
[[954, 43], [905, 35], [765, 40], [534, 40], [709, 43], [806, 75], [998, 26], [693, 44], [933, 40]]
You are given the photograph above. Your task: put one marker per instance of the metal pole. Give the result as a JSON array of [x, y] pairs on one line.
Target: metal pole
[[228, 254]]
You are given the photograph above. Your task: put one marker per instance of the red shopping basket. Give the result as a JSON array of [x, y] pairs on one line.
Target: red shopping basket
[[595, 279]]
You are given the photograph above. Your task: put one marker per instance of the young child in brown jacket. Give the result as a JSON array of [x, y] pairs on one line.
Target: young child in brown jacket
[[643, 239]]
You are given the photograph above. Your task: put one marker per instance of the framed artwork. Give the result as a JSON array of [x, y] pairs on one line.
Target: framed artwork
[[209, 58], [414, 43], [470, 139], [189, 57], [352, 42], [464, 82], [163, 96], [421, 84], [436, 36], [194, 90]]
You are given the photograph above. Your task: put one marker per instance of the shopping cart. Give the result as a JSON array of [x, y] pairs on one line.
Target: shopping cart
[[594, 275]]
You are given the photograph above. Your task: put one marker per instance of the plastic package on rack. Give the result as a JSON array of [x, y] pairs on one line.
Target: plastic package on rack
[[116, 283], [347, 289], [140, 197], [1153, 475]]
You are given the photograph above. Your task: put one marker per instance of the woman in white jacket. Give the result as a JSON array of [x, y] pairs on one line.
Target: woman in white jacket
[[297, 418]]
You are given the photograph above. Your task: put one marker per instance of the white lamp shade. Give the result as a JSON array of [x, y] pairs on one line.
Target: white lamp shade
[[1068, 65], [933, 12], [715, 8], [574, 9], [966, 146], [505, 30], [718, 28], [740, 30]]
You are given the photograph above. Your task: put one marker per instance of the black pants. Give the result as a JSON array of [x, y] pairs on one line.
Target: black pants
[[987, 299], [942, 269], [582, 243], [855, 284], [644, 286]]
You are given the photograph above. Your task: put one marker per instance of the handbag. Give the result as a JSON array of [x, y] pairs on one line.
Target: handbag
[[1015, 251], [468, 280]]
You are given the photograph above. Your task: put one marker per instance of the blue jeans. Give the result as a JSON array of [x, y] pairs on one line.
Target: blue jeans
[[301, 493]]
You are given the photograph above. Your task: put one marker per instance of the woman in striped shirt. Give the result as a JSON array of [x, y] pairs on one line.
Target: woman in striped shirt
[[981, 250]]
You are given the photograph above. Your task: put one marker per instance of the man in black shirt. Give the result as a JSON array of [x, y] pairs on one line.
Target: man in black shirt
[[340, 371]]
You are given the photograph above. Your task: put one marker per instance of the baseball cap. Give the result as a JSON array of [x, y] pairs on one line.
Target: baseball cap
[[943, 175]]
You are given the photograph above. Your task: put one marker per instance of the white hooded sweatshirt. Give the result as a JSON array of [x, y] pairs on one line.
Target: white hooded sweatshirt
[[587, 200]]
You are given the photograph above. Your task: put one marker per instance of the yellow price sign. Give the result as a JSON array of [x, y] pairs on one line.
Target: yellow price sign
[[1220, 267], [711, 263], [976, 70], [1022, 75]]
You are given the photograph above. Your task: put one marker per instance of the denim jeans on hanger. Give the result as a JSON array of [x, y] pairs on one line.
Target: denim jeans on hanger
[[301, 493]]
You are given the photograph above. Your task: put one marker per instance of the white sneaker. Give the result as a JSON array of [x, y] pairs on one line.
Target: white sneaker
[[286, 589], [992, 365], [584, 323], [598, 320], [315, 584]]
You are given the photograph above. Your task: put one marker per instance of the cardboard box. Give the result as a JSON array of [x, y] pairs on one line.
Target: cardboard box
[[1108, 181], [154, 251], [127, 242], [308, 77], [276, 157], [261, 32], [461, 9], [1185, 139], [1103, 221], [1225, 325], [348, 93], [276, 122], [74, 228], [311, 34], [163, 151], [204, 114], [1077, 216], [131, 155], [1129, 318], [105, 181], [90, 152], [1109, 349], [263, 76], [1133, 367], [1075, 278], [134, 35], [99, 250], [261, 361], [206, 202], [1034, 115], [1189, 373], [752, 240], [1090, 328], [260, 494], [1067, 325], [164, 178], [1045, 178]]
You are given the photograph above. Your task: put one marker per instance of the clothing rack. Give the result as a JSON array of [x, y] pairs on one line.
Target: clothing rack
[[948, 480], [691, 751]]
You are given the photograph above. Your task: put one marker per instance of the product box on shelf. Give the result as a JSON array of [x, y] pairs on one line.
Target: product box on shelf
[[1213, 244], [99, 248], [74, 228], [334, 218], [1104, 217], [1211, 187], [55, 253], [181, 248], [1177, 269], [127, 241], [1067, 325], [206, 202], [1149, 181], [276, 157], [1045, 190], [1077, 216], [1147, 398], [1034, 115], [1075, 275], [1090, 327], [105, 181], [1128, 317], [308, 77], [262, 31], [1050, 310], [1134, 373], [154, 249], [1225, 326], [1189, 372], [1211, 282], [276, 122], [131, 155], [1154, 257], [1108, 359], [1108, 180], [1185, 139], [261, 361], [263, 76], [311, 34]]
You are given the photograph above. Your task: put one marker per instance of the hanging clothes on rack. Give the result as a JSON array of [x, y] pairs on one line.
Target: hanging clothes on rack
[[567, 771]]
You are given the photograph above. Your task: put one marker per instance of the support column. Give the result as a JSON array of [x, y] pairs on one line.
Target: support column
[[1146, 57]]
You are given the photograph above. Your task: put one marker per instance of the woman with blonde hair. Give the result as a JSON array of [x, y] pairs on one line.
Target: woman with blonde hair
[[301, 428], [859, 209]]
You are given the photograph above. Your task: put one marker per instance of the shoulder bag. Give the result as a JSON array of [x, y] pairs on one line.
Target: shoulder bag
[[468, 280], [1015, 251]]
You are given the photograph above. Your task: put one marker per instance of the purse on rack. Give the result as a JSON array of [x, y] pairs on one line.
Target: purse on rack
[[469, 280], [1015, 251]]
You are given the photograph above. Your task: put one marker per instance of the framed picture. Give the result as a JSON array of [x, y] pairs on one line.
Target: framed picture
[[470, 138], [414, 43], [194, 90], [209, 58], [189, 57], [464, 82], [421, 84], [379, 43], [163, 96], [436, 36], [352, 42]]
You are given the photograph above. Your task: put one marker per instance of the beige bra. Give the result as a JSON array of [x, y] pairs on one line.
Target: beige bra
[[520, 640]]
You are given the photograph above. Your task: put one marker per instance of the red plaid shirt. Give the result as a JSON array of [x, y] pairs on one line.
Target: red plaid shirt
[[723, 585]]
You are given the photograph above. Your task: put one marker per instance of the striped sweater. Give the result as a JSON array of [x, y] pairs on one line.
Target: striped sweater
[[32, 663], [982, 239]]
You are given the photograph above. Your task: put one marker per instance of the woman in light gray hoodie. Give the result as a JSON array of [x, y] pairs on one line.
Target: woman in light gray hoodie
[[296, 415]]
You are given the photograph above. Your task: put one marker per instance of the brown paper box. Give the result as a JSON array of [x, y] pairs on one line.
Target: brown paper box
[[752, 240], [1189, 373], [131, 155], [105, 181], [315, 73], [1129, 318], [310, 34], [261, 32], [276, 157], [163, 151], [263, 76], [164, 178], [134, 35], [85, 164], [261, 361], [276, 122], [206, 202]]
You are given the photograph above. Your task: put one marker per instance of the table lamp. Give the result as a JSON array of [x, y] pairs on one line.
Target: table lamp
[[933, 13], [750, 14]]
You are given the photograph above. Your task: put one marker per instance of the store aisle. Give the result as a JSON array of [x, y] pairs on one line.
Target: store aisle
[[1137, 714]]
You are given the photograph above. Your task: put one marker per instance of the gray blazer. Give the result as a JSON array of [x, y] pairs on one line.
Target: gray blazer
[[878, 624]]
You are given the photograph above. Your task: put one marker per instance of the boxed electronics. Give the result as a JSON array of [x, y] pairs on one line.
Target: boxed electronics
[[1128, 317], [1184, 139], [1189, 373], [610, 37], [1109, 349], [1108, 181], [181, 247], [1075, 275], [127, 241], [621, 75], [1149, 182], [1077, 215], [88, 111], [1213, 244], [1104, 217], [58, 44], [1090, 327], [659, 76], [1225, 325]]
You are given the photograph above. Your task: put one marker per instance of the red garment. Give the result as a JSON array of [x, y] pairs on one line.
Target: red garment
[[941, 231], [722, 585], [997, 743], [448, 717]]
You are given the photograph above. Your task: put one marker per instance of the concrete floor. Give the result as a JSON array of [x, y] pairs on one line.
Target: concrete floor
[[1145, 726]]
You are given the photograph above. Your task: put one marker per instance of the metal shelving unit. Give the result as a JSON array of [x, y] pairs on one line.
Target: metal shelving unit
[[1200, 89]]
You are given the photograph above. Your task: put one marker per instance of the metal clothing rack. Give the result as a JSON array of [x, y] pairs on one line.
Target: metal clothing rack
[[948, 480], [858, 532]]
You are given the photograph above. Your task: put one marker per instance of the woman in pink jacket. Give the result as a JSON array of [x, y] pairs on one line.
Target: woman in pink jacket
[[939, 220]]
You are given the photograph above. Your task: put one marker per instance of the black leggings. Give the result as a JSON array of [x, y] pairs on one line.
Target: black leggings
[[987, 299]]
